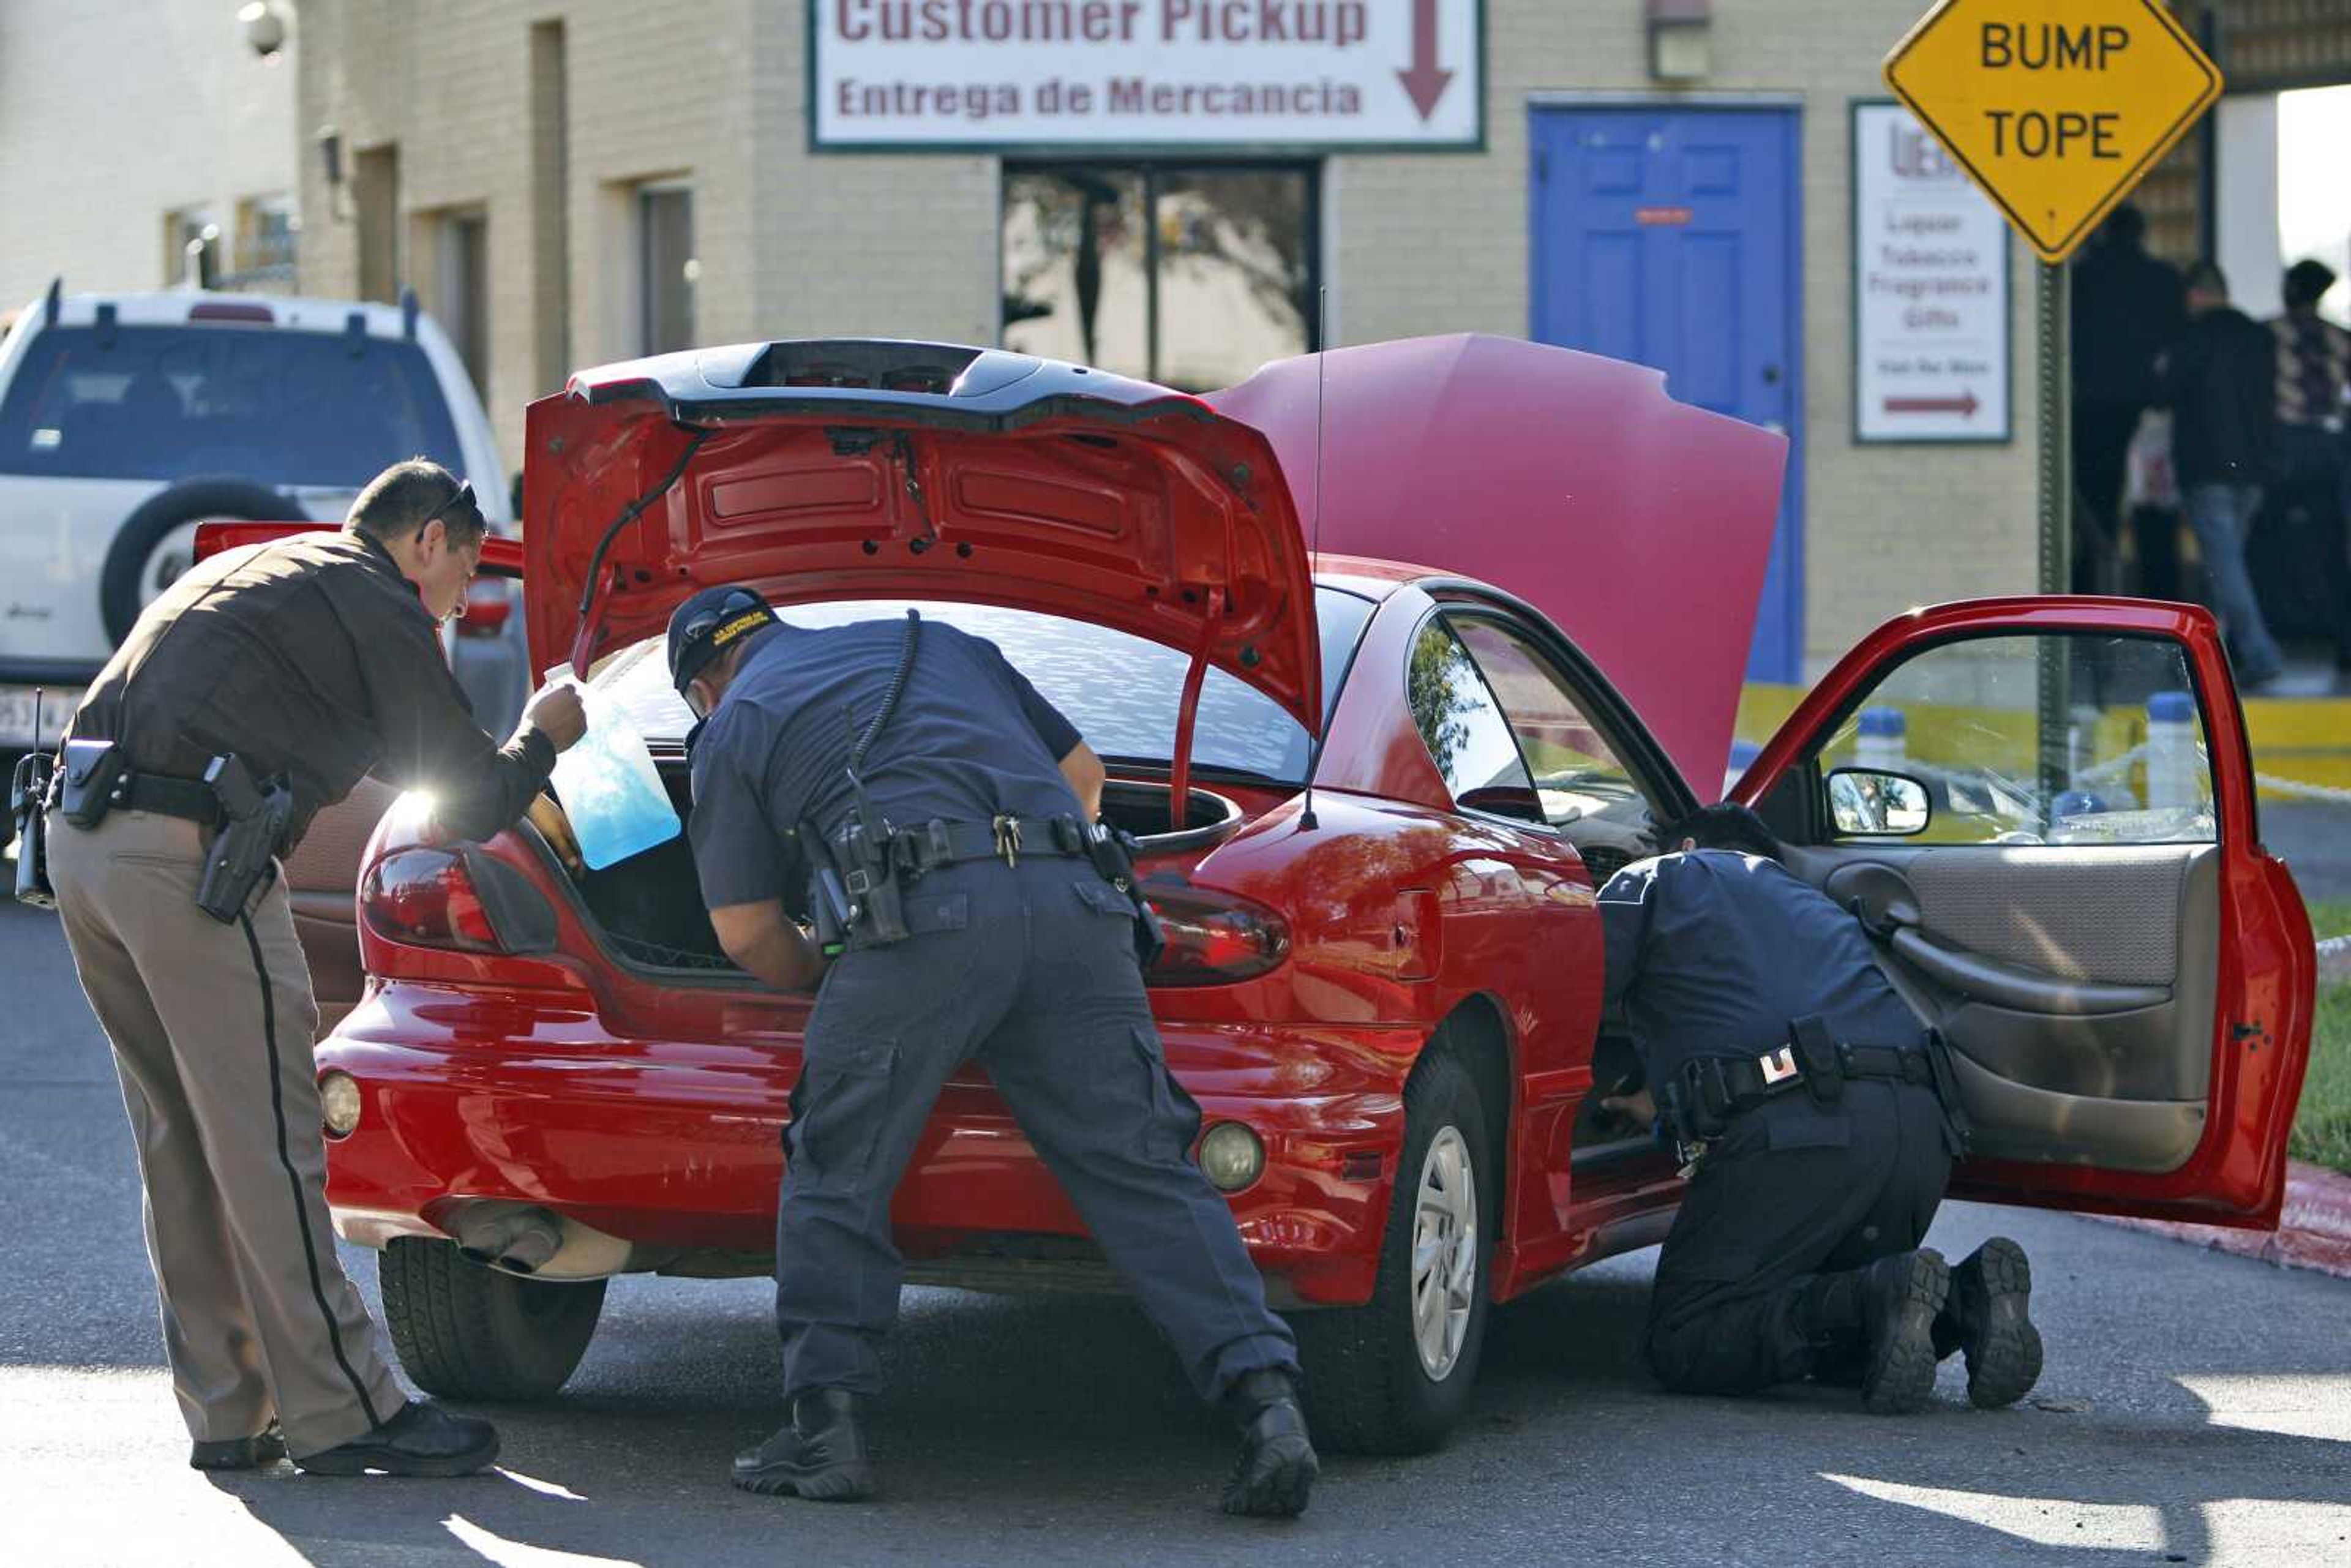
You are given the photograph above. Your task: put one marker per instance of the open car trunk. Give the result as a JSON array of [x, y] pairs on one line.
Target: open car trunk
[[649, 913]]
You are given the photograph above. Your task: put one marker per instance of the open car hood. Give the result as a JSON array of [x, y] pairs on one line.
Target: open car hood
[[1639, 525], [868, 469]]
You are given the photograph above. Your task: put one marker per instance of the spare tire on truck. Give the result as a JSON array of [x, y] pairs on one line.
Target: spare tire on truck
[[147, 554]]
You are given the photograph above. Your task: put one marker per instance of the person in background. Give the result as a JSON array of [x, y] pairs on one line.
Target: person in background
[[2127, 307], [2219, 380], [2314, 386]]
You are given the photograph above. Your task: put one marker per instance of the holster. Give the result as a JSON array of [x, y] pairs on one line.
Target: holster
[[1694, 1116], [28, 800], [828, 902], [1111, 850], [245, 849], [1956, 1128], [877, 904], [1816, 1053], [86, 785]]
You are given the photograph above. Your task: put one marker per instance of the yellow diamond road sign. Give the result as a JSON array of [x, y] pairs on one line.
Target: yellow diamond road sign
[[2057, 107]]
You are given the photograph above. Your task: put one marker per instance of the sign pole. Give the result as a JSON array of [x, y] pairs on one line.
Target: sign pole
[[2053, 315]]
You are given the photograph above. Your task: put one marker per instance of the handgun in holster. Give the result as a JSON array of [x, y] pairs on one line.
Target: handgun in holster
[[877, 903], [828, 908], [28, 800], [245, 849]]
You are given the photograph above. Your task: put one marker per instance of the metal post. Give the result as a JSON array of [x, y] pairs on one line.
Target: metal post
[[2056, 514]]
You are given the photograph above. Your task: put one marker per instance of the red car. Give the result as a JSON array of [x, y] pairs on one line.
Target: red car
[[1386, 996]]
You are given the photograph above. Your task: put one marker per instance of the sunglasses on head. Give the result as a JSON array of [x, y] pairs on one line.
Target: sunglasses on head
[[463, 494]]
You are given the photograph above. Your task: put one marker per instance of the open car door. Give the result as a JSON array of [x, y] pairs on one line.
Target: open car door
[[2044, 809]]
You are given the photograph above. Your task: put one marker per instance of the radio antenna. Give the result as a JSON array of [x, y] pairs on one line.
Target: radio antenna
[[1306, 822]]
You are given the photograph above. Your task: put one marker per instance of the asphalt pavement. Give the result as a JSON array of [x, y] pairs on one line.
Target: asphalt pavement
[[2197, 1407]]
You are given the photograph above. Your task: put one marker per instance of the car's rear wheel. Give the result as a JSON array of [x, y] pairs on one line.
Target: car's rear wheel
[[466, 1332], [1394, 1375]]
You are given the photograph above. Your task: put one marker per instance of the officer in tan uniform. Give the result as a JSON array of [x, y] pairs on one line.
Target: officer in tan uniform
[[310, 661]]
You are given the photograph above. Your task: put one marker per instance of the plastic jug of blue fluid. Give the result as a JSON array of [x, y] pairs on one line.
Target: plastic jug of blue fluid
[[610, 790]]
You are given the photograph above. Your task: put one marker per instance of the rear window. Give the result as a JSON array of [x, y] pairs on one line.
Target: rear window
[[1120, 691], [280, 407]]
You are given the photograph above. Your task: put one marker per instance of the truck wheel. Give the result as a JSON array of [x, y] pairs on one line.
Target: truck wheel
[[466, 1332], [1393, 1377], [158, 539]]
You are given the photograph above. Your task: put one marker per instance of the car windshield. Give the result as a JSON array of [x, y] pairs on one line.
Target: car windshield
[[274, 404], [1120, 690]]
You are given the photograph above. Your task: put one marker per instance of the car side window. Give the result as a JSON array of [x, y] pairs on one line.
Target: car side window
[[1582, 788], [1463, 727], [2059, 738]]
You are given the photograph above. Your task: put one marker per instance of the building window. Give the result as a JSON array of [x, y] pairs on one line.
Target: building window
[[461, 289], [191, 247], [666, 268], [266, 230], [1189, 276]]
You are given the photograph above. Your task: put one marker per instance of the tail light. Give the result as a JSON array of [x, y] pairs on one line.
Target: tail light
[[1214, 938], [427, 897], [488, 603]]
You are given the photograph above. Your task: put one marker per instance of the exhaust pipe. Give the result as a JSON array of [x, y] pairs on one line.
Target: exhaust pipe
[[514, 1236], [526, 1240]]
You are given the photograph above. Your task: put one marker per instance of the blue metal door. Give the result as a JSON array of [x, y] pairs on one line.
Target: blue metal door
[[1668, 236]]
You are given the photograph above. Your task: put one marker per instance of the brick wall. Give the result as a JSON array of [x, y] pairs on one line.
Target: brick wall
[[113, 115]]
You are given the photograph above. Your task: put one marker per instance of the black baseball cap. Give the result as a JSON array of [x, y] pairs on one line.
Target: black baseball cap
[[708, 624]]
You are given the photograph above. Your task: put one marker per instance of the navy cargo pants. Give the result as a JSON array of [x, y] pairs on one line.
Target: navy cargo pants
[[1030, 969], [1789, 1191]]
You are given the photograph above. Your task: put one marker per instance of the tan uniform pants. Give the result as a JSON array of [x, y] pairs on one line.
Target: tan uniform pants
[[212, 1026]]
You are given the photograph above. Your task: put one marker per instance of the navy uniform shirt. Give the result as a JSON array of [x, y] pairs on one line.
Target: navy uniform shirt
[[970, 739], [1714, 953]]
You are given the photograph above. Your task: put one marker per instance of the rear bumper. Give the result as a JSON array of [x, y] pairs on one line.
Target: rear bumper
[[675, 1145]]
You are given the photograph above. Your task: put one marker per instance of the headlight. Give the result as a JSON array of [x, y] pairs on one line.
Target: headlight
[[338, 1098], [1231, 1156]]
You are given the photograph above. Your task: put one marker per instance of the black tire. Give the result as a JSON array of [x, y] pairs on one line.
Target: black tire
[[143, 529], [465, 1332], [1367, 1389]]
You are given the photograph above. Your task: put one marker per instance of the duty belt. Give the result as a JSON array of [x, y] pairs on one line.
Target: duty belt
[[1733, 1083], [937, 843], [190, 799]]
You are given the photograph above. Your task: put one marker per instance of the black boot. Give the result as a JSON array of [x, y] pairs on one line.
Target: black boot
[[1987, 1319], [422, 1441], [817, 1454], [265, 1447], [1900, 1297], [1276, 1471]]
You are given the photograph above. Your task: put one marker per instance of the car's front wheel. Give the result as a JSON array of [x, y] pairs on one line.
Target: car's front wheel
[[1394, 1375], [466, 1332]]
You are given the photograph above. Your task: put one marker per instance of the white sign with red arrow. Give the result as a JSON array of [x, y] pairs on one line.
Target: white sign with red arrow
[[1929, 289], [1037, 75]]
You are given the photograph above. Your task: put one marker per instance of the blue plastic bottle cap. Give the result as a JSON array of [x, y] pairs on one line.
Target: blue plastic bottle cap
[[2171, 707], [1882, 721]]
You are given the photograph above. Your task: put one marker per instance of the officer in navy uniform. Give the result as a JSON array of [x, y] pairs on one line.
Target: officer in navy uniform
[[1811, 1097], [984, 923]]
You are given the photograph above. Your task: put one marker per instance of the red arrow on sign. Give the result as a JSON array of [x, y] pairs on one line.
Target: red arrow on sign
[[1424, 83], [1964, 405]]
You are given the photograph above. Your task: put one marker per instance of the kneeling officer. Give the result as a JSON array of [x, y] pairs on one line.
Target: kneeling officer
[[945, 813], [257, 689]]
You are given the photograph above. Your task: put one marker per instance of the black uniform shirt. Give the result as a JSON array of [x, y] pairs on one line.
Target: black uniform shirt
[[970, 738], [313, 657], [1714, 953]]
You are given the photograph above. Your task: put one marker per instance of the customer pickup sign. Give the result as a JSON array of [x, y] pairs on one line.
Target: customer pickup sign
[[1145, 75], [2057, 107]]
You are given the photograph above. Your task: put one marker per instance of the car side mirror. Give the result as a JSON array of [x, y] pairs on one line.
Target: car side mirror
[[1864, 804]]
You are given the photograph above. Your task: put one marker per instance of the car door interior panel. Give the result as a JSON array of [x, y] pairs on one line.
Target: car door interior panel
[[2075, 985]]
